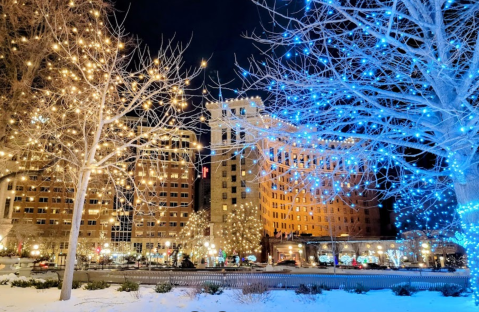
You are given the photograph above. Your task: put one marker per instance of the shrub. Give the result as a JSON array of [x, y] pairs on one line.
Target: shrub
[[325, 287], [211, 288], [451, 269], [22, 283], [162, 288], [96, 285], [45, 285], [75, 284], [360, 289], [129, 286], [254, 288], [252, 293], [4, 282], [309, 290], [404, 290], [451, 290]]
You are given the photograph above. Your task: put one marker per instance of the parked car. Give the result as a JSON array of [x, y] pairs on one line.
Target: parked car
[[46, 265], [287, 263]]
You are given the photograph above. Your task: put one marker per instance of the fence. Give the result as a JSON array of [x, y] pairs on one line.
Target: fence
[[273, 280]]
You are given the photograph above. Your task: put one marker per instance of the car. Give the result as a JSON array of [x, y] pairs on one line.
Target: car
[[46, 265], [287, 263]]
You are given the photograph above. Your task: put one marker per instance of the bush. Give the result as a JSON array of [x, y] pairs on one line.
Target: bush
[[96, 285], [252, 293], [22, 283], [404, 290], [211, 288], [4, 282], [45, 285], [254, 288], [129, 286], [451, 270], [325, 287], [451, 290], [75, 284], [162, 288], [360, 289], [309, 290]]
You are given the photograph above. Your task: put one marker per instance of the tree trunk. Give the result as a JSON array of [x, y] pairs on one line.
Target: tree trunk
[[467, 194], [75, 229]]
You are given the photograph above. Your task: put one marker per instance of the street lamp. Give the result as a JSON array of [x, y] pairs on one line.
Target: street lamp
[[35, 252], [167, 244]]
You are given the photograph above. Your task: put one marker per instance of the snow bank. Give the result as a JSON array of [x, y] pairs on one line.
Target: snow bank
[[182, 300]]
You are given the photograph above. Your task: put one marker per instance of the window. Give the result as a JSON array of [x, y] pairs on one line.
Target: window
[[225, 207], [53, 221], [28, 210], [184, 205], [172, 224], [243, 195], [10, 186], [184, 215], [224, 184], [69, 200], [233, 178], [173, 214], [242, 111], [19, 188], [224, 136], [163, 194], [43, 200], [91, 222], [233, 190], [243, 183], [223, 113], [184, 195], [233, 167], [233, 111], [44, 189], [18, 199], [42, 210], [57, 189], [56, 200], [225, 195], [174, 194], [41, 221], [184, 185], [33, 178], [173, 204], [174, 176], [233, 201], [70, 190], [224, 174], [224, 163], [162, 224], [67, 222], [243, 173], [150, 223], [93, 211]]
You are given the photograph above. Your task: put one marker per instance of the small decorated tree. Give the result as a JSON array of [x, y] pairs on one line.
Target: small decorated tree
[[242, 231]]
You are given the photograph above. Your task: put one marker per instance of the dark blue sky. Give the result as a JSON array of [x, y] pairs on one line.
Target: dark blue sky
[[214, 26]]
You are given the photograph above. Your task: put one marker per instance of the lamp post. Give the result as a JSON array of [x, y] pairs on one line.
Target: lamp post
[[35, 252], [168, 244]]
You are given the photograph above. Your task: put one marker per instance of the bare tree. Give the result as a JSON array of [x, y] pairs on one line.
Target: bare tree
[[109, 102], [398, 77]]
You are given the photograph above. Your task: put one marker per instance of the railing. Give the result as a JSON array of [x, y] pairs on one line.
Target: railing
[[273, 280]]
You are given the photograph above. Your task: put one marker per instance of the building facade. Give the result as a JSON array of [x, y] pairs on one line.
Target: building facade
[[252, 164], [138, 211]]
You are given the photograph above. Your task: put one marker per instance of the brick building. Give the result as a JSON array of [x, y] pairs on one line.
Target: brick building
[[251, 166]]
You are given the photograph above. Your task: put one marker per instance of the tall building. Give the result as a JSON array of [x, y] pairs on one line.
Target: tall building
[[149, 202], [249, 165]]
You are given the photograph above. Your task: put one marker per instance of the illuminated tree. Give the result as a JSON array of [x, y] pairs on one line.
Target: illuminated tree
[[192, 235], [399, 77], [108, 103], [242, 231]]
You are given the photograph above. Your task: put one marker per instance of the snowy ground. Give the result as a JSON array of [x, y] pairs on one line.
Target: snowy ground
[[330, 270], [179, 300]]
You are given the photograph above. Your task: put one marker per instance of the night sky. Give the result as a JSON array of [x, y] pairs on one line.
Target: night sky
[[214, 27]]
